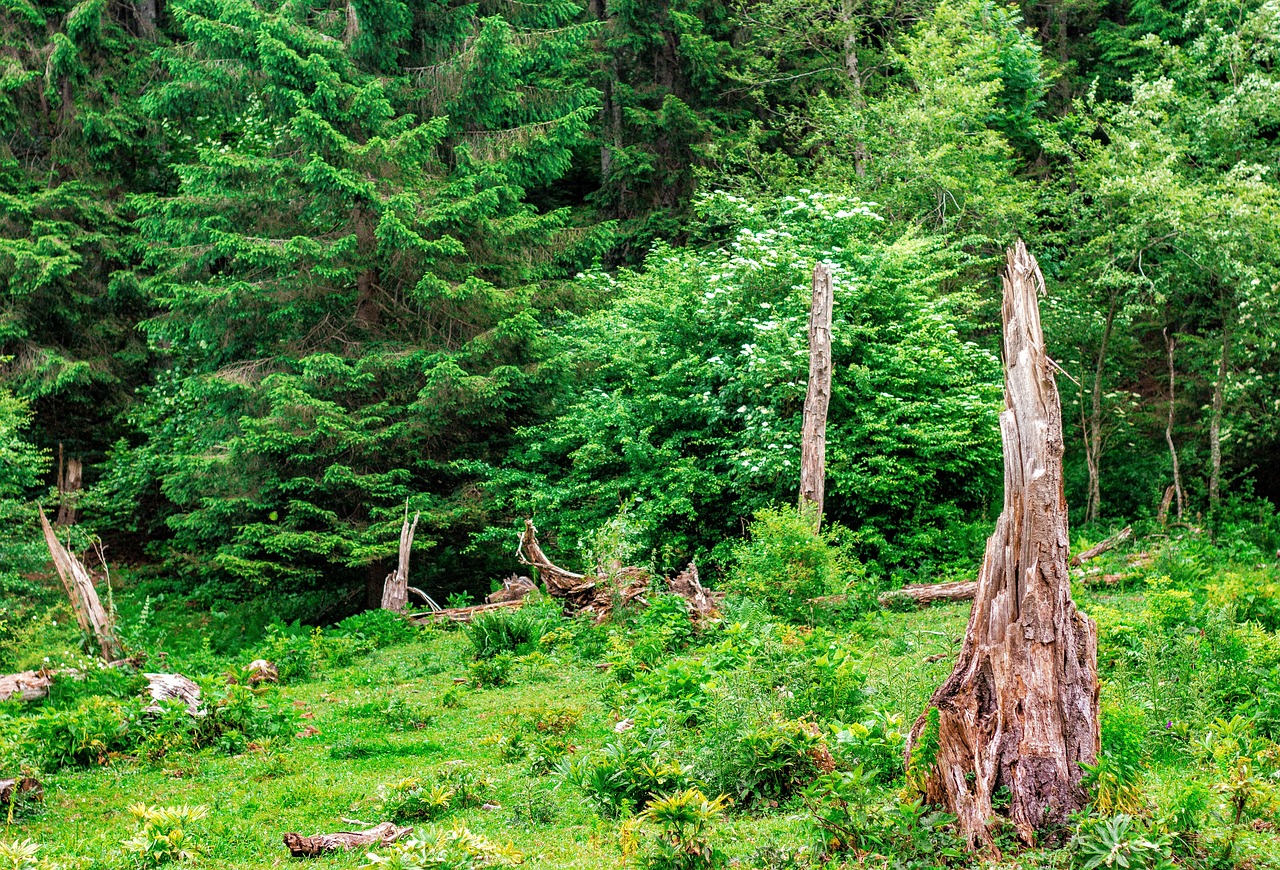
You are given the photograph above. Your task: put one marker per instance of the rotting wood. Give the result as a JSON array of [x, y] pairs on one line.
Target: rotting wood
[[513, 587], [383, 834], [924, 594], [94, 620], [1019, 712], [463, 614], [27, 685], [1103, 546], [395, 590], [813, 437], [173, 687], [261, 671], [70, 481], [34, 685], [20, 788], [600, 594]]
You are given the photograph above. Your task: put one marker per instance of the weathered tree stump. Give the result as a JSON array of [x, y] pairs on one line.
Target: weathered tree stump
[[1020, 709], [343, 841]]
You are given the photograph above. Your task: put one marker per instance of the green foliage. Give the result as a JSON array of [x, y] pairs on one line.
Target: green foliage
[[512, 631], [163, 834], [377, 628], [684, 821], [1122, 841], [492, 672], [20, 855], [455, 786], [454, 849]]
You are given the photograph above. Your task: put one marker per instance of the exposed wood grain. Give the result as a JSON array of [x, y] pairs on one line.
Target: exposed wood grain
[[1020, 709], [813, 436]]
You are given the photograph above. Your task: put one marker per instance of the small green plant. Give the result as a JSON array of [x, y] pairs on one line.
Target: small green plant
[[455, 849], [684, 820], [786, 564], [1121, 841], [162, 835], [491, 672], [453, 786], [20, 855], [377, 628], [516, 632]]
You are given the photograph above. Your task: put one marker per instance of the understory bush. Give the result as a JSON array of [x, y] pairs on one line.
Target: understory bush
[[515, 631], [453, 849], [162, 835], [453, 786], [785, 564]]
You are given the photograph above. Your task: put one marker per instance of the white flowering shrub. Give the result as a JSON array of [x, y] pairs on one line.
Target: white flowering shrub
[[696, 378]]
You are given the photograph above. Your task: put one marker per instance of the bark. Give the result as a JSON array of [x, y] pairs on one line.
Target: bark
[[813, 439], [343, 841], [70, 480], [34, 685], [924, 594], [1093, 443], [395, 590], [94, 620], [513, 588], [1098, 549], [1215, 422], [26, 686], [145, 16], [1020, 709], [1168, 427], [463, 614], [21, 788], [855, 80], [173, 687]]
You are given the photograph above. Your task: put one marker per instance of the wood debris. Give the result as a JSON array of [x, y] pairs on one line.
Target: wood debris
[[383, 834]]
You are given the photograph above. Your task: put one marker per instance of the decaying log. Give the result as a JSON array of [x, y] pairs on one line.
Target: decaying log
[[172, 687], [703, 602], [813, 437], [1019, 711], [589, 593], [261, 671], [395, 590], [343, 841], [94, 620], [514, 587], [463, 614], [34, 685], [1098, 549], [27, 685], [22, 788], [924, 594]]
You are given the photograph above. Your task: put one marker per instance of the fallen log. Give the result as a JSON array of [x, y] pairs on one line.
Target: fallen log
[[463, 614], [27, 685], [512, 588], [21, 788], [1098, 549], [34, 685], [343, 841], [924, 594]]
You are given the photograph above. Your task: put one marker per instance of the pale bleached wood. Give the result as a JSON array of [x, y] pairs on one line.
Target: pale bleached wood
[[1020, 708], [813, 436], [395, 591], [343, 841], [94, 620]]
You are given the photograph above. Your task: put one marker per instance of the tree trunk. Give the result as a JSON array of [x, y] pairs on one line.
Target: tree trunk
[[395, 591], [1093, 442], [94, 620], [1020, 709], [855, 80], [70, 480], [1168, 426], [1215, 422], [813, 439], [145, 16]]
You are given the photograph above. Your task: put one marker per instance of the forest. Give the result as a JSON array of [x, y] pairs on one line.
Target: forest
[[509, 302]]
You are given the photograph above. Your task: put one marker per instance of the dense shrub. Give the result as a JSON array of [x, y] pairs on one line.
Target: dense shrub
[[785, 564], [516, 631]]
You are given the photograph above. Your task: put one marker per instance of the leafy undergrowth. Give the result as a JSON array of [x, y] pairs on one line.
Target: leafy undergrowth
[[653, 743]]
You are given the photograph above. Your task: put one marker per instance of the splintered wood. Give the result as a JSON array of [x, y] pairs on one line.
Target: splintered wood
[[1020, 710], [94, 620]]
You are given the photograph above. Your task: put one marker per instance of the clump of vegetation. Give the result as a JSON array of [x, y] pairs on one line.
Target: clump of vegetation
[[453, 849], [163, 835]]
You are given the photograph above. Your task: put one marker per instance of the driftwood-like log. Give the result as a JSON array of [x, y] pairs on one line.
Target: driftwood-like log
[[924, 594], [590, 593], [813, 437], [34, 685], [513, 588], [94, 620], [27, 685], [463, 614], [343, 841], [703, 603], [1098, 549], [395, 590], [1019, 711], [173, 687]]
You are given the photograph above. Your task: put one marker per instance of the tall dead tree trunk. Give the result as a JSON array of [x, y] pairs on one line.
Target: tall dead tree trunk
[[1168, 426], [1215, 420], [1020, 709], [94, 620], [1093, 437], [70, 480], [395, 590], [813, 439]]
